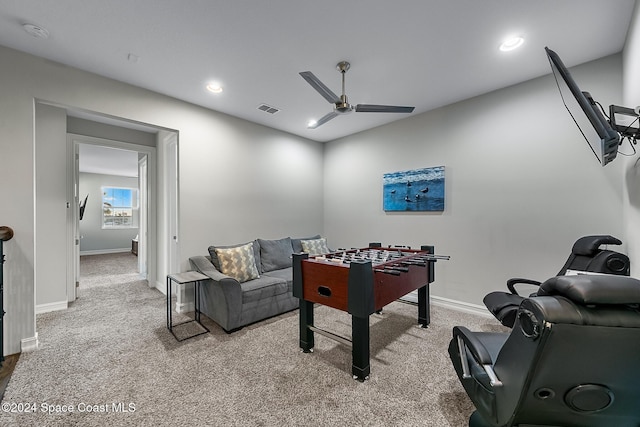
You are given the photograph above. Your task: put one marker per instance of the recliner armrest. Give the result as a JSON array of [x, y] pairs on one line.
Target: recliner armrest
[[478, 350], [516, 280], [467, 340]]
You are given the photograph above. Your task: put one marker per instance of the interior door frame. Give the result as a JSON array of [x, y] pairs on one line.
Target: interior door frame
[[73, 141], [73, 221], [172, 174], [143, 226]]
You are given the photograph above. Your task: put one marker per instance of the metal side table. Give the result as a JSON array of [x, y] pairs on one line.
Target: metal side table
[[183, 279]]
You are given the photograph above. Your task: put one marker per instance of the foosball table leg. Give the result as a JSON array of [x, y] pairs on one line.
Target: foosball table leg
[[360, 367], [424, 312], [361, 306], [306, 320]]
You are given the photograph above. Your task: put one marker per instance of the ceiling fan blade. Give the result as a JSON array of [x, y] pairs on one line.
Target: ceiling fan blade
[[324, 119], [371, 108], [320, 87]]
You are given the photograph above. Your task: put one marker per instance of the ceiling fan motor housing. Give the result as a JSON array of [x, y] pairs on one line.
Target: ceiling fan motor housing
[[343, 107]]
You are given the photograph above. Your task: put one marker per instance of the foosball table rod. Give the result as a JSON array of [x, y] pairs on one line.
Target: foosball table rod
[[331, 335]]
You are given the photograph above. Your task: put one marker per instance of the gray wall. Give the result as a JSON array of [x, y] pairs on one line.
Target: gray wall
[[93, 238], [631, 67], [238, 180], [521, 184], [51, 207], [117, 133]]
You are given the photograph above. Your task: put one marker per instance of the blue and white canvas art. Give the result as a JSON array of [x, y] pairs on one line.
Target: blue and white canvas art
[[414, 190]]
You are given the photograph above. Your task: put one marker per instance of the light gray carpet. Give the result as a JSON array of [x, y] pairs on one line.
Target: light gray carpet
[[111, 349]]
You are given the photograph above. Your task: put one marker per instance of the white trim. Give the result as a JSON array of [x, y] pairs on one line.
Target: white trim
[[73, 220], [29, 344], [52, 306], [143, 214], [466, 307], [162, 287], [105, 251]]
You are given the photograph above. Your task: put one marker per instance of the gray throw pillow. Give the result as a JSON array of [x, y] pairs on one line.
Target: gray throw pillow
[[275, 254]]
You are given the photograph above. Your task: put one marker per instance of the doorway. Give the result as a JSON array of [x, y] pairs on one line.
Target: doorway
[[114, 186]]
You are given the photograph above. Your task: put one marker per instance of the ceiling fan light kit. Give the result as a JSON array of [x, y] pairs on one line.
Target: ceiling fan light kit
[[341, 103]]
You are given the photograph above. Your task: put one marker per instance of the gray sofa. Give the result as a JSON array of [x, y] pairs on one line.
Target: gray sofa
[[243, 294]]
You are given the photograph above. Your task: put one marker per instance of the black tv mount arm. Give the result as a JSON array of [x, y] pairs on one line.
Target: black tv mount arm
[[626, 121]]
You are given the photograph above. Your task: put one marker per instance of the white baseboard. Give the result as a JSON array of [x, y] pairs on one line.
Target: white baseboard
[[105, 251], [466, 307], [29, 344], [162, 287], [185, 307], [181, 307], [52, 306]]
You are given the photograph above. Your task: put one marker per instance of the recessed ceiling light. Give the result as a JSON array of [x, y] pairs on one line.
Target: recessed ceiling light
[[312, 124], [214, 87], [36, 31], [511, 43]]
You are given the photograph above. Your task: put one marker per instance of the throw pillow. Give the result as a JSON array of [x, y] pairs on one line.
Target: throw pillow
[[275, 254], [238, 262], [216, 262], [297, 246], [315, 246]]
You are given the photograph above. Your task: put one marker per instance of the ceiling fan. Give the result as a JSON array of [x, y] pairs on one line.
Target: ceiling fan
[[340, 103]]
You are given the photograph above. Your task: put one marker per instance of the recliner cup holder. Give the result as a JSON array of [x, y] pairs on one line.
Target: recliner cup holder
[[545, 393]]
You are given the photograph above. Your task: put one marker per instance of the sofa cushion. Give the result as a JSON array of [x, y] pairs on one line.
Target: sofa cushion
[[263, 288], [297, 246], [285, 274], [315, 246], [238, 262], [216, 262], [275, 254]]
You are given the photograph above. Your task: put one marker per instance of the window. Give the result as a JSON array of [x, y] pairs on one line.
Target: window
[[118, 205]]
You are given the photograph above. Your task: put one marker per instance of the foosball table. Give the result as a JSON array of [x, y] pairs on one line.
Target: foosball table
[[360, 282]]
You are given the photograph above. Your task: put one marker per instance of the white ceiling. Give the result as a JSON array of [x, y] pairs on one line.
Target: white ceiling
[[422, 53], [107, 160]]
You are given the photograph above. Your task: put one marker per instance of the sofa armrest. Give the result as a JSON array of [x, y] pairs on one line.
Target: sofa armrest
[[204, 266], [222, 295]]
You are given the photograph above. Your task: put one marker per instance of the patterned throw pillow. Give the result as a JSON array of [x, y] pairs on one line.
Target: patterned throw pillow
[[238, 262], [315, 246]]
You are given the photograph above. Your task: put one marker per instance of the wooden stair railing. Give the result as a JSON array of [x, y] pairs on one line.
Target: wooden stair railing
[[6, 233]]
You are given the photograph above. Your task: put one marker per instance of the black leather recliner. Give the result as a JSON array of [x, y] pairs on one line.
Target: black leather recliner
[[586, 255], [571, 359]]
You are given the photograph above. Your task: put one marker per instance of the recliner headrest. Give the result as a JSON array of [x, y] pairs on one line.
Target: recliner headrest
[[587, 289], [588, 245]]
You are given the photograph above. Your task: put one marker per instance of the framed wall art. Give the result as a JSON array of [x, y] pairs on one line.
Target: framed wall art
[[414, 190]]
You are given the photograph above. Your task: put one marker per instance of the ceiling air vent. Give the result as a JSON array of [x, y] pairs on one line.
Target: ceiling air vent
[[268, 108]]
